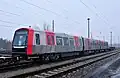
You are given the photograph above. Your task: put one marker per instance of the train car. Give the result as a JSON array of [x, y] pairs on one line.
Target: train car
[[91, 46], [28, 42], [105, 46], [46, 45]]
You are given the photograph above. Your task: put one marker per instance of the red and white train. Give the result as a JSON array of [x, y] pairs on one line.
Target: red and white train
[[32, 43]]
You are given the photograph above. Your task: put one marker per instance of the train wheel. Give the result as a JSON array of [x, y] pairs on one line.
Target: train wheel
[[45, 57], [57, 57], [54, 57]]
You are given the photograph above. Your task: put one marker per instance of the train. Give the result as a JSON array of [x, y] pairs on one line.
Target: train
[[32, 43]]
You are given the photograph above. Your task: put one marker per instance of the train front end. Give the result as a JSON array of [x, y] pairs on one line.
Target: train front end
[[22, 42]]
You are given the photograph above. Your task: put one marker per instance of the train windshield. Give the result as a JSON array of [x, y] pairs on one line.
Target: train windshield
[[20, 38]]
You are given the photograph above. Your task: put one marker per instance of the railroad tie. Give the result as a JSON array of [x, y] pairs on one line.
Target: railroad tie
[[38, 76]]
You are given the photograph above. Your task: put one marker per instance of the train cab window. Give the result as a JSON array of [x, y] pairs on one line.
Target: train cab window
[[71, 42], [20, 38], [37, 36], [58, 40], [66, 41]]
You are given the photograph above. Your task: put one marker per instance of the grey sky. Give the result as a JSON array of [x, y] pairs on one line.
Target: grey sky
[[70, 16]]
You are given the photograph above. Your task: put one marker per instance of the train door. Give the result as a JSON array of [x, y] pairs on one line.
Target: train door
[[81, 43], [83, 47], [77, 43], [36, 44], [89, 45], [50, 38], [37, 38], [50, 46]]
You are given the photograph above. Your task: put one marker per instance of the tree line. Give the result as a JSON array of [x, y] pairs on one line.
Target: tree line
[[5, 44]]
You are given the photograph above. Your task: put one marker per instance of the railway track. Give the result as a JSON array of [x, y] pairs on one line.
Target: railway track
[[9, 65], [5, 57], [66, 68], [55, 69], [14, 66]]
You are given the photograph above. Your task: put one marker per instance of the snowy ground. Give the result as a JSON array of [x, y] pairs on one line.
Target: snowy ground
[[109, 70]]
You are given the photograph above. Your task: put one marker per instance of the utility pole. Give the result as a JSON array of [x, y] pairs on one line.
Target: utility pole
[[91, 35], [100, 36], [53, 25], [88, 27], [111, 39], [44, 26], [47, 28], [118, 41], [103, 38], [88, 32]]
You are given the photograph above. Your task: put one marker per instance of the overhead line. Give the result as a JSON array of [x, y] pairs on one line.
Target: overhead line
[[86, 6], [45, 9], [9, 22], [48, 1], [41, 8], [94, 12], [13, 23], [12, 5], [5, 26], [6, 22], [9, 13], [34, 6], [100, 13], [21, 8], [5, 15], [57, 5]]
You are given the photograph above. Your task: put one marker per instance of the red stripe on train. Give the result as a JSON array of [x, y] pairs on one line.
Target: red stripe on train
[[30, 41], [76, 38]]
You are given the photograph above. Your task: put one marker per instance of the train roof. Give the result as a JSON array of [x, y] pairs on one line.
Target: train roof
[[57, 34]]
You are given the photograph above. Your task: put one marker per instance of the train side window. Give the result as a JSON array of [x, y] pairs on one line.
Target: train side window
[[94, 43], [66, 41], [53, 41], [90, 42], [80, 41], [71, 42], [49, 40], [37, 36], [58, 40]]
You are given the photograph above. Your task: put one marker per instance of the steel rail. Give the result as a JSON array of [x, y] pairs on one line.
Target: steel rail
[[48, 67]]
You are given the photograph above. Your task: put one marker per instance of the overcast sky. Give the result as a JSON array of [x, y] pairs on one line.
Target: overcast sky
[[70, 16]]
